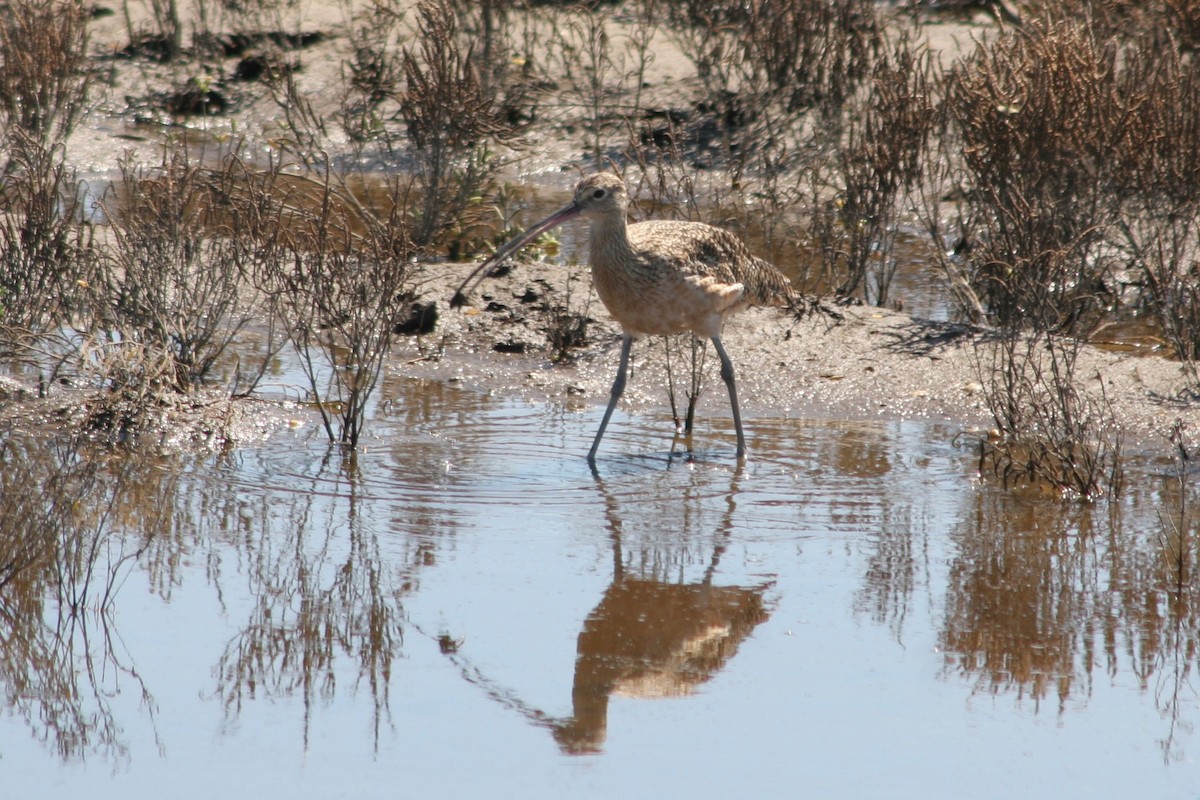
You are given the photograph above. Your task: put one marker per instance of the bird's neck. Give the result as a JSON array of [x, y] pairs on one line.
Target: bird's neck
[[609, 239]]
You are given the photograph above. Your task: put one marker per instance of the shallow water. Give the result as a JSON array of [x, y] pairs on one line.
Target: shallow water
[[463, 609]]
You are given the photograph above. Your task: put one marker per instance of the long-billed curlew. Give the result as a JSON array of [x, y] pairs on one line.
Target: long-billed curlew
[[659, 278]]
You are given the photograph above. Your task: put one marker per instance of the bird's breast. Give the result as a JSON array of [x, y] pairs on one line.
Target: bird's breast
[[650, 301]]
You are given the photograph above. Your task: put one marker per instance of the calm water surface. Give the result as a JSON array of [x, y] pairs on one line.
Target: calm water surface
[[465, 610]]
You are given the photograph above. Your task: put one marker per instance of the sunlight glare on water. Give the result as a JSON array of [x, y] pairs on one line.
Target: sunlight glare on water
[[463, 609]]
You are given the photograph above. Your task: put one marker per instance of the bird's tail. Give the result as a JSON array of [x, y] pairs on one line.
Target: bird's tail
[[767, 286]]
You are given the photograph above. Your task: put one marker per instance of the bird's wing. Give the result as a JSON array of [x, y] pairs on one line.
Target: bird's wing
[[689, 247], [705, 251]]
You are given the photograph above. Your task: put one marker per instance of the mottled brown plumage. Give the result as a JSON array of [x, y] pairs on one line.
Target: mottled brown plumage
[[659, 278]]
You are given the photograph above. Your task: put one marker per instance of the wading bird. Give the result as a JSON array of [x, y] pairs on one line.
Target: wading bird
[[658, 278]]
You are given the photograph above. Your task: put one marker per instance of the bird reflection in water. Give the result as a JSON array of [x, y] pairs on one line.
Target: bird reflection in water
[[652, 639], [648, 637]]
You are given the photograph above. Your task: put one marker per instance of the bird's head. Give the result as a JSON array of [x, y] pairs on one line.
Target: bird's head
[[601, 194], [596, 196]]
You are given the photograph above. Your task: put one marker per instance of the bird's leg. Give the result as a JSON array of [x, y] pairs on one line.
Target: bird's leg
[[618, 388], [685, 438], [727, 376], [671, 386], [697, 383]]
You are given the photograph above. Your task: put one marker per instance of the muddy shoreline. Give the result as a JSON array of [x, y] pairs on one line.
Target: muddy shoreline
[[872, 363], [858, 363]]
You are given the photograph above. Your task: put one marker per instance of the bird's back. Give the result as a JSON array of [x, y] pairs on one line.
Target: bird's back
[[705, 251]]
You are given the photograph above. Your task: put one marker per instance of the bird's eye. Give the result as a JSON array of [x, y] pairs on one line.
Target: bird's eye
[[598, 194]]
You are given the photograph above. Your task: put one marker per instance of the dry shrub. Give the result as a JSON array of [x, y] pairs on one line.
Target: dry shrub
[[1081, 145], [421, 109], [698, 349], [1160, 224], [803, 53], [174, 289], [1036, 133], [43, 67], [708, 34], [373, 75], [566, 323], [798, 112], [584, 61], [1183, 19], [594, 67], [1161, 88], [336, 280], [1041, 124], [45, 253], [1047, 429], [336, 260], [336, 263], [880, 159], [489, 22], [173, 275], [1165, 21], [797, 55], [167, 36], [1167, 252], [450, 120], [811, 53]]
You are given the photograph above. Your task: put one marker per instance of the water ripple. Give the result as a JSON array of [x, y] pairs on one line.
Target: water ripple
[[486, 461]]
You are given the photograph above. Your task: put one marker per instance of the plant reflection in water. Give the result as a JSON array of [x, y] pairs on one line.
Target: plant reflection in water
[[310, 560], [73, 523], [321, 593]]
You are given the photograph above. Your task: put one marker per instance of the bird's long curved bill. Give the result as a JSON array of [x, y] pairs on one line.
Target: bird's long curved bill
[[565, 213]]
